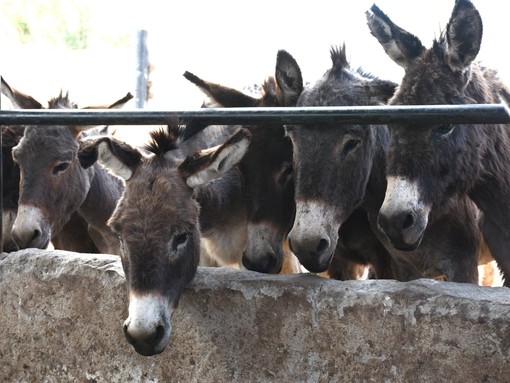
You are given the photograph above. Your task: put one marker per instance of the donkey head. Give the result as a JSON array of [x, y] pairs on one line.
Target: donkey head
[[266, 168], [429, 164], [157, 223], [332, 162], [52, 183]]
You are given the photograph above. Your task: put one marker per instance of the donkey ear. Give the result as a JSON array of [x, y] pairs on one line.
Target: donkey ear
[[220, 95], [116, 105], [400, 45], [212, 163], [19, 100], [119, 158], [288, 77], [464, 35]]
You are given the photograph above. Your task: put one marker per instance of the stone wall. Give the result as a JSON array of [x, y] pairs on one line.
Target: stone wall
[[62, 316]]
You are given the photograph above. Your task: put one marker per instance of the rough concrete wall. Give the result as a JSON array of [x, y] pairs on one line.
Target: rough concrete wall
[[62, 316]]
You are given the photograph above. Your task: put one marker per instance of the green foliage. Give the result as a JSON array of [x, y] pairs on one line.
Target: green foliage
[[68, 24]]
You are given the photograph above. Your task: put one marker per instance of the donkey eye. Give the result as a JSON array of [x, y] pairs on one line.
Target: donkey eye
[[444, 130], [285, 175], [349, 147], [61, 167], [180, 240]]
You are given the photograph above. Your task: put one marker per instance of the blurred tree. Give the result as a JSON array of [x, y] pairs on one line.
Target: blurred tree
[[68, 24]]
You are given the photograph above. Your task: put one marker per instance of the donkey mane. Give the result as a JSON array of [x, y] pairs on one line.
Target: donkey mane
[[339, 58], [269, 88], [62, 102], [163, 140]]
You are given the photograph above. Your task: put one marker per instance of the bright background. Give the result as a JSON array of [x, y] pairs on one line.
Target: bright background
[[89, 47]]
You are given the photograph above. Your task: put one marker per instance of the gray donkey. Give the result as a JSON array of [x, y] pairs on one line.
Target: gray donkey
[[431, 166]]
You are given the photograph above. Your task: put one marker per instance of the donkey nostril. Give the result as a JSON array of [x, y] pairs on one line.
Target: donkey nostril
[[323, 245], [37, 235], [408, 221], [160, 333]]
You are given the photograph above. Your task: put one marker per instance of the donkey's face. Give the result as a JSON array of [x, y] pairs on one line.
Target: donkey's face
[[332, 162], [266, 169], [52, 183], [157, 224], [427, 164]]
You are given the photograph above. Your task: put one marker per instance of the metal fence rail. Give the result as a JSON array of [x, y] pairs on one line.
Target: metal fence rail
[[363, 115], [474, 114]]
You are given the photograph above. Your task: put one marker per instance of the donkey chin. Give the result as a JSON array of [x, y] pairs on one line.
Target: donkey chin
[[148, 327]]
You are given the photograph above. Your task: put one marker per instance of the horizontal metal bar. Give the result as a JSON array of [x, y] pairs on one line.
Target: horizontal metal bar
[[471, 113]]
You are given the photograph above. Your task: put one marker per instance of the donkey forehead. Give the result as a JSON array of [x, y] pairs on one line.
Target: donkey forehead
[[326, 133], [45, 148], [158, 193], [428, 83], [43, 138]]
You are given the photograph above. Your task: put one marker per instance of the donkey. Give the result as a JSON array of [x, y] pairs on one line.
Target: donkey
[[341, 182], [172, 193], [74, 236], [54, 187], [266, 168], [430, 166]]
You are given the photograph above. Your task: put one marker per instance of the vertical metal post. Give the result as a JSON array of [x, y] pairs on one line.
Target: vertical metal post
[[142, 69]]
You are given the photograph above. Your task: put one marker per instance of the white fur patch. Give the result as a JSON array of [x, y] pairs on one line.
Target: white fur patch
[[402, 192], [28, 219], [146, 313], [112, 163], [314, 220]]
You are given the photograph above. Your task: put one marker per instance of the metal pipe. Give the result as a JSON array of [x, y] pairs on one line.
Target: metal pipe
[[363, 115]]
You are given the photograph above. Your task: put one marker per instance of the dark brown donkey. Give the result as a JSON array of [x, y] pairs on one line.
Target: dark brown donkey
[[340, 186], [172, 192], [266, 169], [430, 166], [54, 189]]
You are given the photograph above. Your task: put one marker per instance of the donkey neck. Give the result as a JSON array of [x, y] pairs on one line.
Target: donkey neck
[[221, 203], [104, 192]]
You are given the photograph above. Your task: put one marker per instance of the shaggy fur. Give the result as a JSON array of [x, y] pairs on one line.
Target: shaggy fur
[[159, 219], [340, 186], [450, 163]]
